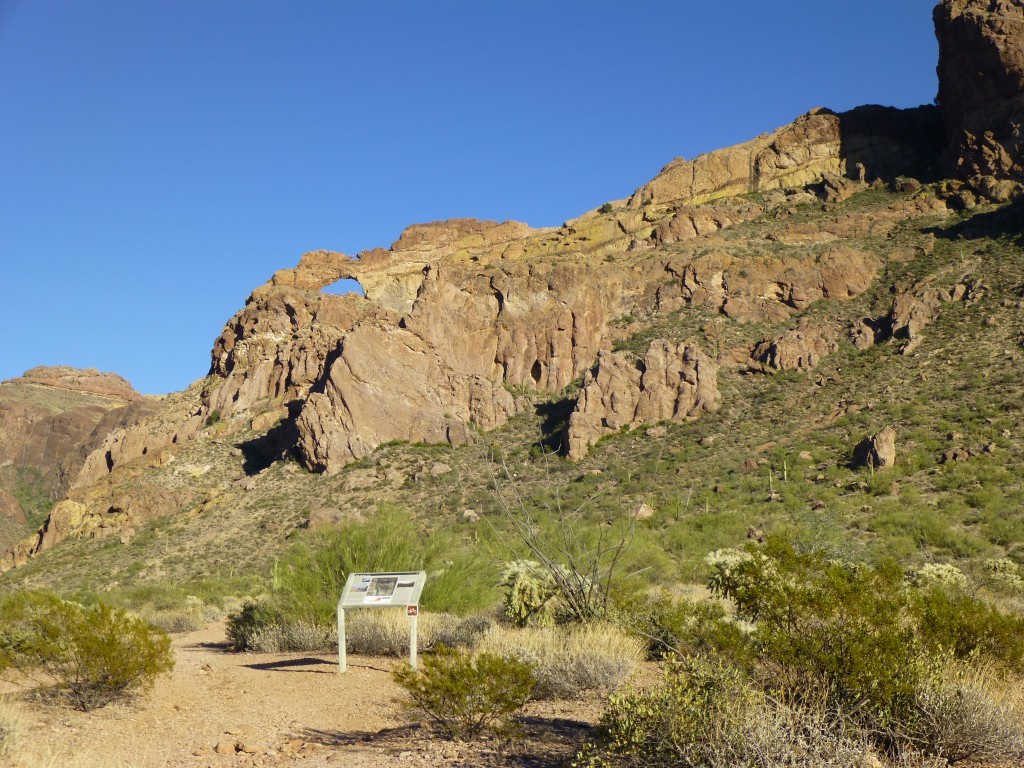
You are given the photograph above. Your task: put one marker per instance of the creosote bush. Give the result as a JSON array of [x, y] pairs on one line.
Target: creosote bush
[[93, 656], [465, 694]]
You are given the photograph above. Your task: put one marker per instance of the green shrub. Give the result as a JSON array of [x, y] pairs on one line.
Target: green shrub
[[310, 577], [948, 620], [704, 715], [824, 628], [93, 655], [467, 695], [245, 624], [687, 721], [606, 208], [680, 627]]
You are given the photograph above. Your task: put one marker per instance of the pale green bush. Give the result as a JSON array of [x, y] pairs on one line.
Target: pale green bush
[[93, 655], [530, 593], [569, 660]]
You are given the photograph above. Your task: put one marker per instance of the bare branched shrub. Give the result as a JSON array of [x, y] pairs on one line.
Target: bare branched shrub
[[578, 554], [967, 713], [569, 660]]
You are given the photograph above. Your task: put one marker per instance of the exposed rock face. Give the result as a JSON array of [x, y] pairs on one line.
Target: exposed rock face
[[48, 415], [361, 406], [798, 349], [138, 431], [769, 289], [9, 507], [70, 518], [671, 382], [878, 451], [90, 381], [981, 86], [915, 309], [865, 143]]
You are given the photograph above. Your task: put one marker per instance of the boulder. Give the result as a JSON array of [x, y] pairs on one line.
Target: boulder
[[877, 451]]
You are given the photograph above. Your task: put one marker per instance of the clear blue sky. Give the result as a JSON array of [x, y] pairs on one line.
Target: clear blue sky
[[161, 158]]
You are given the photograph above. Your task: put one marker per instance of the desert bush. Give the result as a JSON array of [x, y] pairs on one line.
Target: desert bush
[[263, 628], [571, 659], [312, 574], [680, 627], [190, 615], [824, 627], [686, 721], [966, 713], [92, 655], [948, 620], [386, 633], [704, 715], [465, 694], [244, 625]]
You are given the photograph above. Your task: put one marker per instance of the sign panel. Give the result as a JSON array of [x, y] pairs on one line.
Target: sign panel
[[367, 590], [381, 590]]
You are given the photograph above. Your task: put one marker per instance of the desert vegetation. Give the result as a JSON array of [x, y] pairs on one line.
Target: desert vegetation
[[791, 601]]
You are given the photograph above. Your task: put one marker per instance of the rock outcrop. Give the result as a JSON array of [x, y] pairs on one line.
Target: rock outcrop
[[49, 414], [915, 309], [798, 349], [458, 315], [981, 86], [747, 289], [10, 508], [866, 143], [671, 382], [877, 451]]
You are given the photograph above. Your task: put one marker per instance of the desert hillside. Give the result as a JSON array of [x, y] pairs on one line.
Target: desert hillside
[[816, 335]]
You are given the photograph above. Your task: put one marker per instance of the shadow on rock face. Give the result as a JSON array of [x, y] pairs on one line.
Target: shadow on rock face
[[276, 444], [1007, 221]]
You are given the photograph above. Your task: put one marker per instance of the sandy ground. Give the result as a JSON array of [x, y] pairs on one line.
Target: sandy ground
[[221, 709]]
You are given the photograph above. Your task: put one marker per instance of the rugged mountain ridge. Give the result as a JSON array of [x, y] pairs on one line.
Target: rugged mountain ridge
[[48, 418], [462, 321]]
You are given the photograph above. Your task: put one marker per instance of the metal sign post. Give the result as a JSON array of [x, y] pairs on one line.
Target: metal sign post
[[381, 590]]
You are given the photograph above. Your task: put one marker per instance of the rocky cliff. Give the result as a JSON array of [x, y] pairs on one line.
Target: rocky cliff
[[47, 417], [981, 86]]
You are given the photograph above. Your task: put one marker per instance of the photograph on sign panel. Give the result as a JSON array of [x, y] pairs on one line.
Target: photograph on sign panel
[[382, 586]]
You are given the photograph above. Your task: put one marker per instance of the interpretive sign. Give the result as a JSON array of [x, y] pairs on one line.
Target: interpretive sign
[[381, 590]]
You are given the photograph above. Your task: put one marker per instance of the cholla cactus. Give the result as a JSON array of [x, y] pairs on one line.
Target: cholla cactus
[[530, 598], [941, 574], [1006, 572], [724, 564]]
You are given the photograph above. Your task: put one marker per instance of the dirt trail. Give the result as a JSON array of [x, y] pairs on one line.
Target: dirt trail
[[222, 709]]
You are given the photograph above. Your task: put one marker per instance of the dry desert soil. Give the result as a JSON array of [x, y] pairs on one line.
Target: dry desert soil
[[219, 708]]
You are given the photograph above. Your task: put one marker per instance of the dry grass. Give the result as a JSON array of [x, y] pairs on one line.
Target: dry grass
[[971, 713], [569, 661], [18, 749]]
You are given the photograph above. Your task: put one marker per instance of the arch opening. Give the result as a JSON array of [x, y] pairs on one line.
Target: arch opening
[[344, 286]]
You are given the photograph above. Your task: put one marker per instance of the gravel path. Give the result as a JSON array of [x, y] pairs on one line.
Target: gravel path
[[223, 709]]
